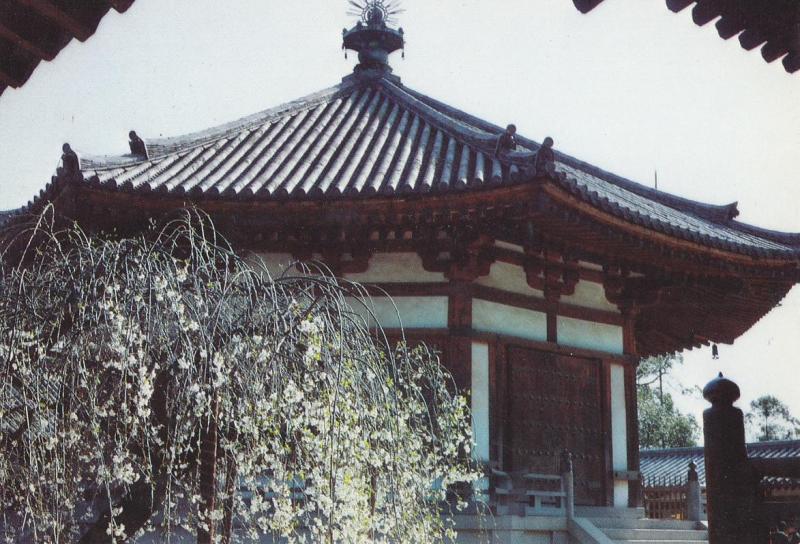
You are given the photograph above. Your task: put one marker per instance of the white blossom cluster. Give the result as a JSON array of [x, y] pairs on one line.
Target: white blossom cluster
[[160, 384]]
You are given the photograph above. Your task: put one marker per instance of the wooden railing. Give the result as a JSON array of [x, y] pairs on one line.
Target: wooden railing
[[532, 493]]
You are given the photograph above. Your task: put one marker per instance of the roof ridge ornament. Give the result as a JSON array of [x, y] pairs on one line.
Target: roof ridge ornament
[[69, 160], [137, 145], [372, 37]]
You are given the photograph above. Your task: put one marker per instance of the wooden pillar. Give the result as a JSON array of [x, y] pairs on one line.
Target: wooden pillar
[[459, 324], [630, 312]]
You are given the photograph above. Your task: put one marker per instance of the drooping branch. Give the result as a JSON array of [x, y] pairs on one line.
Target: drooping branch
[[178, 363]]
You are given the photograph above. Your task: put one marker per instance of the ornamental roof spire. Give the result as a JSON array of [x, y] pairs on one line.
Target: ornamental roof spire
[[373, 36]]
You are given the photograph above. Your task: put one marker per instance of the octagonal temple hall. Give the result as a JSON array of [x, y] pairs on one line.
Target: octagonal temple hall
[[541, 279]]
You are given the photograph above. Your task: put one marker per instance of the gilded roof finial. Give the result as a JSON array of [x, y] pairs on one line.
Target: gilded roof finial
[[372, 37]]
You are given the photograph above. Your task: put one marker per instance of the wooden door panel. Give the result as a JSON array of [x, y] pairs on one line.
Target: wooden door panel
[[555, 403]]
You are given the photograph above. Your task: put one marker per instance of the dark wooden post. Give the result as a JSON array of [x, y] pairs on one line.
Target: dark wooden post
[[729, 477]]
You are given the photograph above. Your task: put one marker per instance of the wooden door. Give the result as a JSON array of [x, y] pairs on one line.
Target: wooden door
[[555, 402]]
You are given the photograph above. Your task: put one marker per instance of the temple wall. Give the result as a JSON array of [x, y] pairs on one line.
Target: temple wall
[[584, 321]]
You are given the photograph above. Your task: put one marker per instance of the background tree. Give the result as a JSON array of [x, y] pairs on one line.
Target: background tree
[[661, 425], [770, 419], [162, 384]]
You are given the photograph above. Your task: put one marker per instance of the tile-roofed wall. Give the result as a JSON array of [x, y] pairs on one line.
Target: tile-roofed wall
[[672, 465]]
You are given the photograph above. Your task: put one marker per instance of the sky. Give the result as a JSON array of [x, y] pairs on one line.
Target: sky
[[632, 88]]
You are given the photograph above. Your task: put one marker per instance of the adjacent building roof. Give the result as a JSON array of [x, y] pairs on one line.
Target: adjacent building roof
[[36, 30], [774, 25], [671, 466], [368, 138]]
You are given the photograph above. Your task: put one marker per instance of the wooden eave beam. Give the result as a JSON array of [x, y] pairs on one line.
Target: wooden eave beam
[[509, 207], [80, 26], [704, 313]]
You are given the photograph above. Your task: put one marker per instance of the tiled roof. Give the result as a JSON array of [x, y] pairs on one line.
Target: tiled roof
[[671, 465], [376, 137], [773, 24]]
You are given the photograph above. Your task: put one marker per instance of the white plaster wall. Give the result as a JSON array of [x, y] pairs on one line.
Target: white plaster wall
[[396, 268], [508, 277], [410, 312], [619, 433], [590, 295], [480, 400], [588, 335], [501, 319]]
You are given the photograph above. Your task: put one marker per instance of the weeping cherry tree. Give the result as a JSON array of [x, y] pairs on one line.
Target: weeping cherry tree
[[160, 386]]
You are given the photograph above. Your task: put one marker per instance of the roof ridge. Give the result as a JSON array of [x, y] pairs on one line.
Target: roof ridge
[[469, 135], [668, 451], [713, 212]]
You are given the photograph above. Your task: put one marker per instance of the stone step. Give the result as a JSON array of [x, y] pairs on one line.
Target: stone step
[[608, 512], [656, 535], [643, 523]]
